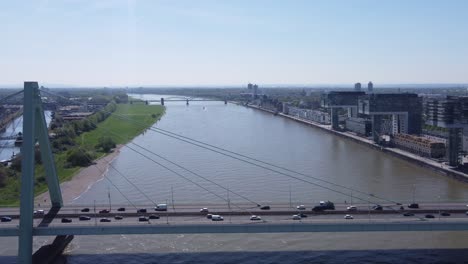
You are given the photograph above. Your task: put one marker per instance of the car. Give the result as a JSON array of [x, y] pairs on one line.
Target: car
[[209, 216], [348, 217], [217, 218], [85, 210], [351, 208], [105, 220], [429, 216], [204, 210], [121, 209], [104, 211], [84, 218], [161, 207], [444, 213], [118, 217], [377, 208], [143, 219], [408, 214], [5, 219], [154, 217], [39, 212], [466, 212], [66, 220], [302, 215], [296, 217], [413, 205], [255, 218], [142, 210], [265, 207], [301, 207]]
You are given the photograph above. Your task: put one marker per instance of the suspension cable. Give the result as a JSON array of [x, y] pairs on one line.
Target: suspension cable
[[10, 96]]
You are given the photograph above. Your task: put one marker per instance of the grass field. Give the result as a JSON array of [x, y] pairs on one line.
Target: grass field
[[143, 116]]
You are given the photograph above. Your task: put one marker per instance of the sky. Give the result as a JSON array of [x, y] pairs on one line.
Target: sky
[[221, 42]]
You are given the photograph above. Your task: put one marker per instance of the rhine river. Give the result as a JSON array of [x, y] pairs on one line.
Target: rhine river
[[276, 140]]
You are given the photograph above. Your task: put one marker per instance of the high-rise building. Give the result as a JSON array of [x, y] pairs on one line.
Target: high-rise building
[[357, 87], [404, 112], [255, 91], [249, 86], [450, 113], [370, 87]]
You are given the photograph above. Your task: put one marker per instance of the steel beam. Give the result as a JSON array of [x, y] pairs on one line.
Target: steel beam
[[47, 157]]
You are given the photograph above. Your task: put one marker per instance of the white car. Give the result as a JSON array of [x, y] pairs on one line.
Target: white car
[[348, 217], [301, 207], [39, 212], [204, 210], [351, 208], [255, 218], [296, 217]]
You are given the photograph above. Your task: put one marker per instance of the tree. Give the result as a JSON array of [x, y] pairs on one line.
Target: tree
[[3, 176], [79, 157], [106, 144]]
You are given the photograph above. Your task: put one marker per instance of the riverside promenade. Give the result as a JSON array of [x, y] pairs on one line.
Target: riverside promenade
[[422, 161]]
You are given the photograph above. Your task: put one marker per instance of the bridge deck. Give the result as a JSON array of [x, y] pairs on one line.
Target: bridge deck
[[240, 228]]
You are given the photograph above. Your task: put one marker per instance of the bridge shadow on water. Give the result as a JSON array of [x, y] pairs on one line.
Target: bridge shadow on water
[[420, 256]]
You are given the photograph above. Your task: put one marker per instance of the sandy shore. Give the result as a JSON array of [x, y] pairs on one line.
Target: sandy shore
[[82, 180]]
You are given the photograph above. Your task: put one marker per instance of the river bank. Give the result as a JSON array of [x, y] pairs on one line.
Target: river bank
[[82, 180], [425, 162], [120, 131]]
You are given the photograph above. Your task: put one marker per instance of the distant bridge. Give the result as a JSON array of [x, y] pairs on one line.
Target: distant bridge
[[178, 99], [8, 137]]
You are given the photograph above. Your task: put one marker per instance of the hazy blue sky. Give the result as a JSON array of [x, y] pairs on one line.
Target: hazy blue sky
[[120, 42]]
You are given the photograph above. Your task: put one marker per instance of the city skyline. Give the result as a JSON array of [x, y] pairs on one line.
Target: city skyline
[[207, 43]]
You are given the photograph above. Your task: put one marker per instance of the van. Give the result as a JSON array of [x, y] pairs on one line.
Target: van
[[161, 207], [216, 218]]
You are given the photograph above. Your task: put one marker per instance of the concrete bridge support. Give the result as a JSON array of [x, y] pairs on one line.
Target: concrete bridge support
[[34, 126]]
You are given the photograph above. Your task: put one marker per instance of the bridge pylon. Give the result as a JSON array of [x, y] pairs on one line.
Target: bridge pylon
[[34, 126]]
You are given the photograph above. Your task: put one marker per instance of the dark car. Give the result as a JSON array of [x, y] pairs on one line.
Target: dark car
[[265, 207], [105, 220], [118, 217], [377, 208], [141, 210], [5, 219], [154, 217], [408, 214], [121, 209], [302, 215], [413, 205], [85, 210], [84, 218], [104, 211], [143, 219], [66, 220], [429, 216], [324, 206], [445, 214]]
